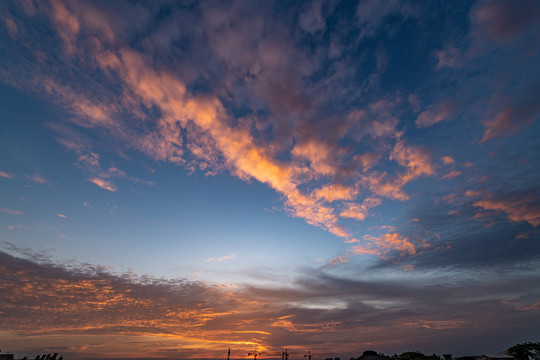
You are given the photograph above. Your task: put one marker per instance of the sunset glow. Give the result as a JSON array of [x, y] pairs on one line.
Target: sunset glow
[[181, 178]]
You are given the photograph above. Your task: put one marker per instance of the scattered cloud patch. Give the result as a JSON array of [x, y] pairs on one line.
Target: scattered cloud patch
[[231, 256]]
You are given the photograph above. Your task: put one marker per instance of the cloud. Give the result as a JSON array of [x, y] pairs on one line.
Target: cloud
[[222, 258], [372, 14], [11, 211], [383, 244], [447, 160], [335, 192], [416, 159], [234, 88], [447, 57], [102, 183], [429, 118], [5, 175], [68, 25], [359, 211], [11, 26], [452, 174], [311, 20], [513, 115], [39, 179], [161, 317], [516, 208], [87, 301], [504, 21]]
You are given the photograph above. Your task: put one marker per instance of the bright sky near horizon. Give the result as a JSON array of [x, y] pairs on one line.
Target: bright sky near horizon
[[178, 178]]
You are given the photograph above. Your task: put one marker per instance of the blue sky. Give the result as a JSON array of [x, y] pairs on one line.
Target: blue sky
[[183, 177]]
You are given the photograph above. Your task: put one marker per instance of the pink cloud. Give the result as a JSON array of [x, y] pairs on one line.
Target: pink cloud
[[67, 24], [452, 174], [38, 179], [11, 211], [11, 26], [222, 258], [431, 117], [524, 109], [5, 175], [504, 21]]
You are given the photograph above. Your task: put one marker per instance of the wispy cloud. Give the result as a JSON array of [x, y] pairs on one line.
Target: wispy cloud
[[38, 179], [102, 183], [11, 211], [231, 256]]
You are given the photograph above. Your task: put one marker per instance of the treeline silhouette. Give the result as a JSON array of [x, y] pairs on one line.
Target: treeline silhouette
[[522, 351]]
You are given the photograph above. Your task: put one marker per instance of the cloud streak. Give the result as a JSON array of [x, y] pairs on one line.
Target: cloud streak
[[84, 301]]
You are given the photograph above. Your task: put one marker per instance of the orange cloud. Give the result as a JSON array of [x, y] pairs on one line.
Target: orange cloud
[[201, 125], [473, 193], [5, 175], [319, 156], [386, 243], [516, 210], [415, 159], [359, 211], [209, 120], [380, 246], [447, 160], [95, 303], [389, 188], [335, 192], [102, 183]]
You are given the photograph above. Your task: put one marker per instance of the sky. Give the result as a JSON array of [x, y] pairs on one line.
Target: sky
[[178, 178]]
